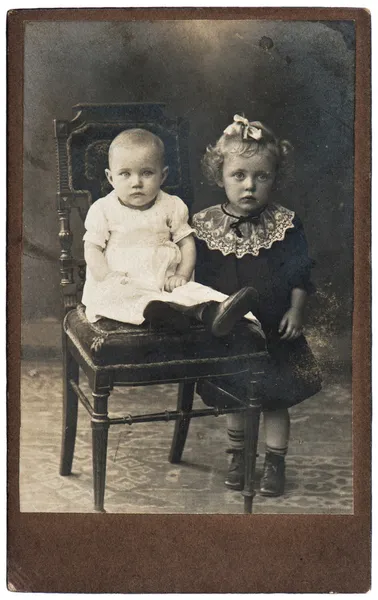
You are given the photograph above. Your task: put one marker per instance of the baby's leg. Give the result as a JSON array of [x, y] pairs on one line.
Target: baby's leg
[[218, 312], [164, 314], [194, 293]]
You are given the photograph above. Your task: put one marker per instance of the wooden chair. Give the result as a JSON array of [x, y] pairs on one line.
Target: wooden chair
[[111, 353]]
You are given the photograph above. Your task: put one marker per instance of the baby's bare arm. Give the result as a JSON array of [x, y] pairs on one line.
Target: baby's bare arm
[[96, 261], [188, 257], [185, 269]]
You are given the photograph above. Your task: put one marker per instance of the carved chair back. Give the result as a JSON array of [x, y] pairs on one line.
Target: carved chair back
[[82, 152]]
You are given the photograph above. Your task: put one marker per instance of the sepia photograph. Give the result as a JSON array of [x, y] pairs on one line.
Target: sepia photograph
[[188, 264], [194, 85]]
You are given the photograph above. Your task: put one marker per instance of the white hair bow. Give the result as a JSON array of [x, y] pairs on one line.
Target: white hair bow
[[243, 126]]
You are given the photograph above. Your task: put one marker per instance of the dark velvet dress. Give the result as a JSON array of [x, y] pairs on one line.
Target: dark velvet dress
[[269, 253]]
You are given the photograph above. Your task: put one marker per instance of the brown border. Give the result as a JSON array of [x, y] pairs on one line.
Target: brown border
[[194, 553]]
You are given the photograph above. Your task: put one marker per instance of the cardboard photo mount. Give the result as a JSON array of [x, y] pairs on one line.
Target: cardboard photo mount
[[136, 553]]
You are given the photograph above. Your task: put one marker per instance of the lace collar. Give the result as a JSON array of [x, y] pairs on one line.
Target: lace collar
[[214, 227]]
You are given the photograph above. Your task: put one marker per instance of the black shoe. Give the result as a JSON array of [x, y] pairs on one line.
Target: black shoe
[[166, 314], [255, 329], [273, 480], [224, 315], [235, 474]]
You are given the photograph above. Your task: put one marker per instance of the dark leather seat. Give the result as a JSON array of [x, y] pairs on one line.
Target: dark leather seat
[[108, 342]]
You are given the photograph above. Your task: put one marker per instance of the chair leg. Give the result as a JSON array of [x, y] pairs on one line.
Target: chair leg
[[70, 403], [251, 435], [100, 428], [184, 404]]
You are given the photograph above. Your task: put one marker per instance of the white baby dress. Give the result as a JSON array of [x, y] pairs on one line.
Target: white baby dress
[[143, 245]]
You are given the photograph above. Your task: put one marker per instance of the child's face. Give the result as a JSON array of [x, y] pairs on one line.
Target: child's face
[[248, 181], [136, 173]]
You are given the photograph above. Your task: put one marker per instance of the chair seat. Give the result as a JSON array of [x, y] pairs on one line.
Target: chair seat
[[109, 343]]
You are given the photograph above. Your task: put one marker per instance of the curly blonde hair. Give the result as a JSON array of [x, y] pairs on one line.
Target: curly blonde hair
[[235, 140]]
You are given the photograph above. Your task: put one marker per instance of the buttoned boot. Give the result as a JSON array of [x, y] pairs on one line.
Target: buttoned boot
[[273, 480], [235, 475]]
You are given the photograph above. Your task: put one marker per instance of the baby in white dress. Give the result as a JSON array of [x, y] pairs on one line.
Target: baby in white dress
[[140, 251]]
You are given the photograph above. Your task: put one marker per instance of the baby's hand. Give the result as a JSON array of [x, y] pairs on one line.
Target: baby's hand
[[291, 325], [173, 282], [118, 276]]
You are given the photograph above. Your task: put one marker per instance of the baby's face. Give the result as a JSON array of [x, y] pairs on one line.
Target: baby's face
[[248, 181], [136, 173]]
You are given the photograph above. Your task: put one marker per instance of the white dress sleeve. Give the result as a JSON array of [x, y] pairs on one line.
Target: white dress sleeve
[[178, 223], [96, 225]]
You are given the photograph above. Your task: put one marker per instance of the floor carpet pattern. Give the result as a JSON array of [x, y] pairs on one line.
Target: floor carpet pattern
[[141, 480]]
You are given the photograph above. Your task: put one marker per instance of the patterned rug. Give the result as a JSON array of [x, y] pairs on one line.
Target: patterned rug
[[141, 480]]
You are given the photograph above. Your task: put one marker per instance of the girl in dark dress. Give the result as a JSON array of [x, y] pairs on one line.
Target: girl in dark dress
[[250, 240]]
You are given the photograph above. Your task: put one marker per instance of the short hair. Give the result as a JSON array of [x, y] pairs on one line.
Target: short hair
[[235, 143], [140, 137]]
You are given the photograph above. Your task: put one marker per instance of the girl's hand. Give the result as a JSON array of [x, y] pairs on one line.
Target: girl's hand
[[173, 282], [291, 326]]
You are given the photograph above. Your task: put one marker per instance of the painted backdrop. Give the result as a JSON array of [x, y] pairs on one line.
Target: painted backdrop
[[298, 77]]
